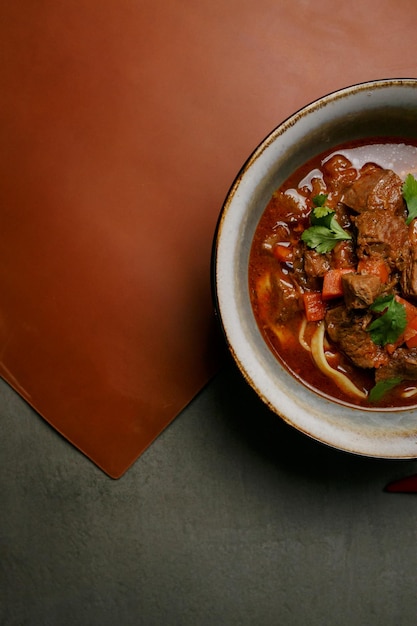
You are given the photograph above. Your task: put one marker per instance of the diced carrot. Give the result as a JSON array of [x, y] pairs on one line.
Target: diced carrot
[[282, 253], [410, 309], [375, 266], [332, 283], [409, 335], [314, 307]]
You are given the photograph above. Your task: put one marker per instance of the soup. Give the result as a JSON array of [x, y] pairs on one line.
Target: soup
[[333, 273]]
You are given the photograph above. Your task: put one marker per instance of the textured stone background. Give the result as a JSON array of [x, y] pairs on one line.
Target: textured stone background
[[230, 518]]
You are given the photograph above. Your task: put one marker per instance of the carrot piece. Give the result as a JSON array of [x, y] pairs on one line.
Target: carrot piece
[[410, 334], [375, 266], [314, 307], [332, 283], [282, 253], [410, 309]]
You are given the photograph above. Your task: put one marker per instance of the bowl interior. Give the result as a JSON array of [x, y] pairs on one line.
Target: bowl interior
[[377, 109]]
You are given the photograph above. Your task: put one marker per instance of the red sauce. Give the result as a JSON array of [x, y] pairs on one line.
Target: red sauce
[[284, 218]]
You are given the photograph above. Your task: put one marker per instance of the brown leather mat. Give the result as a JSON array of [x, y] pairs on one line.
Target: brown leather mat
[[122, 126]]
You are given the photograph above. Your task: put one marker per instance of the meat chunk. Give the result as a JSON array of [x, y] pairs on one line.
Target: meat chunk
[[286, 298], [347, 330], [376, 189], [381, 233], [344, 255], [316, 265], [402, 364], [360, 290], [409, 274], [307, 267]]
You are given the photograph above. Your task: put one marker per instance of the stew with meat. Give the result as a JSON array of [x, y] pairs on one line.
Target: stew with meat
[[333, 273]]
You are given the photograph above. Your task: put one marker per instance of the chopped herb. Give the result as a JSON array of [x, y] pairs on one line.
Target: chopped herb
[[382, 387], [320, 199], [388, 327], [410, 196], [325, 231], [320, 212]]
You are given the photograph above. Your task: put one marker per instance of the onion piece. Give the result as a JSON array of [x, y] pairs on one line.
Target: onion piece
[[342, 381]]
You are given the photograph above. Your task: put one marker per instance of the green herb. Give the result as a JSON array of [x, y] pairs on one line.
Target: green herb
[[325, 231], [382, 387], [388, 327], [410, 196], [320, 199], [321, 216]]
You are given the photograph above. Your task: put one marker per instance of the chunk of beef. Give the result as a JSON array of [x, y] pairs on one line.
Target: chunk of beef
[[343, 215], [360, 290], [338, 172], [376, 189], [402, 364], [286, 297], [409, 273], [347, 330], [307, 279], [381, 233], [344, 254], [316, 265]]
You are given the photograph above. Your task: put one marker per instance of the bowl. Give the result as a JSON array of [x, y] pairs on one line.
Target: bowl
[[375, 108]]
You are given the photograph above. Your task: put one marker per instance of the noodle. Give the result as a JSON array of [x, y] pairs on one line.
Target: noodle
[[342, 381], [409, 393], [301, 334]]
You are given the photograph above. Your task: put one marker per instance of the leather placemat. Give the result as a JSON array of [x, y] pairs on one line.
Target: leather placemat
[[122, 126]]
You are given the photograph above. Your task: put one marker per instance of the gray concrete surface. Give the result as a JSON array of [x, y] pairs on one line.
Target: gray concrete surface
[[230, 518]]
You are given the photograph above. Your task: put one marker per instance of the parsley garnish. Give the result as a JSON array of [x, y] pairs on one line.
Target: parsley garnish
[[410, 196], [382, 387], [325, 231], [388, 327]]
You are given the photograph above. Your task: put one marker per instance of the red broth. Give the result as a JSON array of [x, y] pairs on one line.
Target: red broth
[[272, 259]]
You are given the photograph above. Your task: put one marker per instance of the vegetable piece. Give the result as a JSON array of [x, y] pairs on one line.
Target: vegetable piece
[[282, 253], [410, 309], [375, 266], [387, 328], [314, 307], [410, 334], [410, 196], [382, 387], [332, 283]]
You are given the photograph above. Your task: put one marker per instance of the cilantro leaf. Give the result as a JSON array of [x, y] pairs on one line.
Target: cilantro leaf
[[320, 238], [320, 199], [410, 196], [338, 231], [321, 215], [382, 387], [325, 232], [388, 327]]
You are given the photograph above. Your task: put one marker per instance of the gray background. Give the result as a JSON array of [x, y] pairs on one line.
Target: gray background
[[230, 517]]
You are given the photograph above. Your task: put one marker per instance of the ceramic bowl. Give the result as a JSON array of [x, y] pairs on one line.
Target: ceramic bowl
[[377, 108]]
